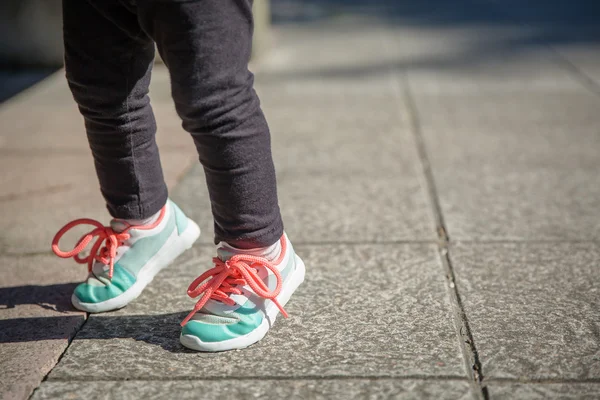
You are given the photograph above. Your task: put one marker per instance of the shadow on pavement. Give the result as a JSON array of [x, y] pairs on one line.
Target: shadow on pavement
[[160, 330], [51, 297], [551, 14], [15, 80], [482, 30]]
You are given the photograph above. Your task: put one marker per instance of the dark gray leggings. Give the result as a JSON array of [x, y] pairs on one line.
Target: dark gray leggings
[[206, 44]]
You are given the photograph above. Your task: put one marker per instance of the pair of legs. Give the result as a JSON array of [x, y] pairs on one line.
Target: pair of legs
[[206, 45]]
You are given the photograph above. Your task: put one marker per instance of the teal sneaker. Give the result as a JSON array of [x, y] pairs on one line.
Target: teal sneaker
[[241, 298], [125, 258]]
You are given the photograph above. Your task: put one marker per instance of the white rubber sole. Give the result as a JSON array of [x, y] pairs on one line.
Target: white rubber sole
[[194, 343], [170, 251]]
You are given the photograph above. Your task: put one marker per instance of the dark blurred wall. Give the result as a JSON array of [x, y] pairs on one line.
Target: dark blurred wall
[[31, 33]]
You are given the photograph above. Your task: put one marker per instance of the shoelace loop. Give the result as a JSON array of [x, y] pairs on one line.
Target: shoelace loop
[[222, 281], [103, 253]]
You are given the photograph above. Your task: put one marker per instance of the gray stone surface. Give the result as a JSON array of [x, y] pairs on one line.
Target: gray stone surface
[[517, 165], [534, 308], [550, 391], [335, 50], [262, 389], [510, 129], [536, 71], [474, 57], [36, 321], [377, 310]]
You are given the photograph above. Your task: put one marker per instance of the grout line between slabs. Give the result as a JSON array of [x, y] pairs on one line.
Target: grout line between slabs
[[541, 381], [463, 330], [267, 377], [439, 378], [60, 357]]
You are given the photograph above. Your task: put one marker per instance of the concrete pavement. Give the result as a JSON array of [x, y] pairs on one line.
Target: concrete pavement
[[438, 173]]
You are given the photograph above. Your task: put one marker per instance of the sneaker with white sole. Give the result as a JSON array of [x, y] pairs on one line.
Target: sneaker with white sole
[[241, 297], [125, 258]]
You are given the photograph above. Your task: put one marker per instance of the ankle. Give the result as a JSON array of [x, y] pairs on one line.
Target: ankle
[[142, 222], [271, 252]]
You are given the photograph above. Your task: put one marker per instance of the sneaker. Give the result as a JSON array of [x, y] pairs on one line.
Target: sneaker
[[242, 296], [125, 258]]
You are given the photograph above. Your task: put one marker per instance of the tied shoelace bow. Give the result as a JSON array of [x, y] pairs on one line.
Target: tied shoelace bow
[[112, 240], [105, 254], [225, 277]]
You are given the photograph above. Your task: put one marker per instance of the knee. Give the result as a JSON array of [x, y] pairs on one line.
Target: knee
[[216, 108]]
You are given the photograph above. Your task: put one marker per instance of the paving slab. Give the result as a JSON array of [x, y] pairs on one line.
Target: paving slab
[[263, 389], [341, 136], [534, 309], [510, 130], [36, 320], [538, 71], [371, 310], [474, 56], [550, 391], [518, 165], [332, 49]]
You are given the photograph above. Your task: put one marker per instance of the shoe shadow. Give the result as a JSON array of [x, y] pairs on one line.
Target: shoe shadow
[[160, 330], [50, 297]]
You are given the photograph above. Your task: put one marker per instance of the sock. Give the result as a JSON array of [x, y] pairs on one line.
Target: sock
[[271, 252], [146, 221]]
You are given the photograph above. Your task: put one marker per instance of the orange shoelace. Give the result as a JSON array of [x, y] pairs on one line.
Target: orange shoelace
[[105, 234], [226, 276]]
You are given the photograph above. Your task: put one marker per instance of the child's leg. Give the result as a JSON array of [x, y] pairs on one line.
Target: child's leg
[[108, 61], [206, 45]]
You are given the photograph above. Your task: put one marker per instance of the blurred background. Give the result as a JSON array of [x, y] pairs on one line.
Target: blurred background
[[31, 41]]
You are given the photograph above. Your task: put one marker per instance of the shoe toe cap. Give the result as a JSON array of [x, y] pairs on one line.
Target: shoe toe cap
[[208, 331], [96, 291]]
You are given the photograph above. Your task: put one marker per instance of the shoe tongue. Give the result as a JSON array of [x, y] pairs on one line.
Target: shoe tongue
[[118, 225]]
